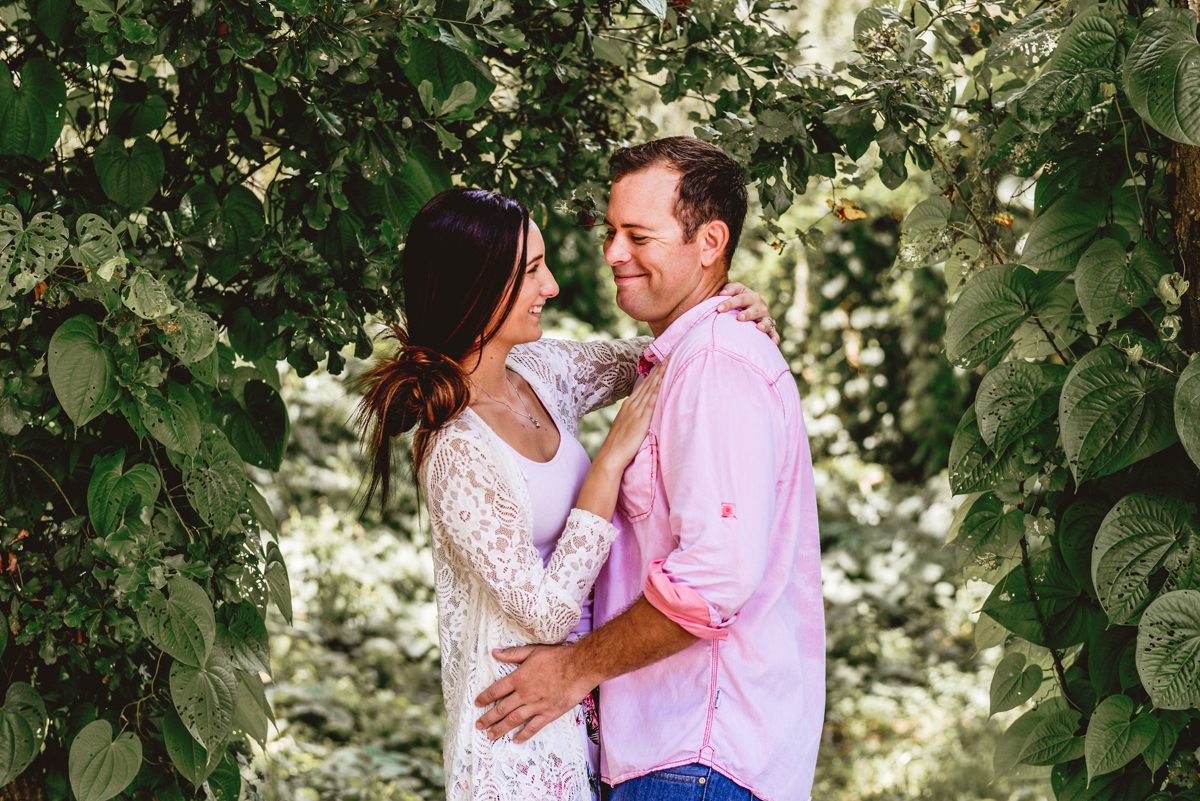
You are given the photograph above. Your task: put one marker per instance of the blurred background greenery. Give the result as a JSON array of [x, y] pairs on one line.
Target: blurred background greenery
[[356, 690]]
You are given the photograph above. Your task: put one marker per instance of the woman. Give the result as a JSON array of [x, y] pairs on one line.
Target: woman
[[520, 517]]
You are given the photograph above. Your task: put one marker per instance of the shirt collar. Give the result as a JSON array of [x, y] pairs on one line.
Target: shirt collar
[[662, 346]]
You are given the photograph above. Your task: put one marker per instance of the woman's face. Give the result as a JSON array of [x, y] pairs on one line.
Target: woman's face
[[524, 322]]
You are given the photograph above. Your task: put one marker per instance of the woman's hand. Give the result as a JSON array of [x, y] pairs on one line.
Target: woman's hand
[[752, 306], [631, 424]]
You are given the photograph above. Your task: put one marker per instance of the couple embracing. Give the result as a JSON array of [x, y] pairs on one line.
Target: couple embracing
[[679, 571]]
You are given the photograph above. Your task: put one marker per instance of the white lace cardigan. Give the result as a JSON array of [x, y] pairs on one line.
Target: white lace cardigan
[[492, 588]]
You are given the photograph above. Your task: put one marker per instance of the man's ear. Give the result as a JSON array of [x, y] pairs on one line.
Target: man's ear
[[714, 236]]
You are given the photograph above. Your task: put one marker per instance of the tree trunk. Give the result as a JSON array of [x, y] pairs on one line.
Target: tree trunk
[[29, 786], [1183, 194]]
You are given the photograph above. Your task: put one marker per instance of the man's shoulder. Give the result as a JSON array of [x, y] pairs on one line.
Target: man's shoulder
[[739, 340]]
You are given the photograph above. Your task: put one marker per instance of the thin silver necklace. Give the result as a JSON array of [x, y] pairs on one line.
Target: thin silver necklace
[[526, 413]]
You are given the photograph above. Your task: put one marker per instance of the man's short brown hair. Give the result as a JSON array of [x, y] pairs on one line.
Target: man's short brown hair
[[711, 186]]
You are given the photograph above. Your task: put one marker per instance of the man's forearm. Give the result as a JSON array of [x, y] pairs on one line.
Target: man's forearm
[[639, 636]]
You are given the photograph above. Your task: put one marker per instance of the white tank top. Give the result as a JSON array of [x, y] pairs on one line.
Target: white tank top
[[553, 489]]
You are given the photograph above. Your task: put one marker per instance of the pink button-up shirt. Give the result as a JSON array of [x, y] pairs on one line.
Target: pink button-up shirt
[[718, 524]]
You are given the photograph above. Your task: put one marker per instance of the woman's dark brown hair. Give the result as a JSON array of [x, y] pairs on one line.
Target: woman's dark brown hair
[[464, 259]]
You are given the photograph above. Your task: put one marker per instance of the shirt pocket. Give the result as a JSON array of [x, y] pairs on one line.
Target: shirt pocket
[[636, 500]]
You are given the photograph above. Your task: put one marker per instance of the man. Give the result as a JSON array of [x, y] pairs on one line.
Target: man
[[710, 655]]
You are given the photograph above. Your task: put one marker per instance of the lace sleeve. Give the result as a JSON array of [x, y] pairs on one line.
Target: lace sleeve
[[591, 375], [475, 511]]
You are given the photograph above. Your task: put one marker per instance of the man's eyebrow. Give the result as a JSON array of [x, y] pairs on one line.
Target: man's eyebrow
[[642, 226]]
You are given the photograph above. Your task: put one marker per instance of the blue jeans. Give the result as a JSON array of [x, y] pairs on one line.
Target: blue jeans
[[692, 782]]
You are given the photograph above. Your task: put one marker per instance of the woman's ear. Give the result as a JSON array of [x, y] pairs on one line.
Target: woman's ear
[[714, 236]]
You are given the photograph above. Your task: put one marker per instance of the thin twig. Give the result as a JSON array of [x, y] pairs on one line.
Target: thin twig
[[52, 481], [1041, 619], [1049, 338], [959, 193]]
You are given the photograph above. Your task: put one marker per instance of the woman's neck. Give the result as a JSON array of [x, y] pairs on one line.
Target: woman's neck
[[486, 371]]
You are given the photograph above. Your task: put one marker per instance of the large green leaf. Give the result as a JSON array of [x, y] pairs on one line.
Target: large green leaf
[[183, 624], [1053, 740], [237, 223], [1051, 613], [1170, 723], [1187, 410], [1109, 287], [1013, 683], [988, 532], [1015, 398], [1056, 322], [1013, 741], [1113, 740], [249, 717], [82, 371], [399, 198], [1076, 533], [258, 427], [191, 336], [110, 491], [28, 253], [189, 757], [1113, 413], [226, 781], [1091, 40], [975, 467], [1162, 73], [1141, 538], [277, 580], [134, 112], [98, 247], [246, 638], [31, 118], [1059, 93], [1168, 650], [990, 309], [101, 767], [172, 419], [22, 729], [129, 177], [445, 65], [215, 480], [1061, 233], [205, 699]]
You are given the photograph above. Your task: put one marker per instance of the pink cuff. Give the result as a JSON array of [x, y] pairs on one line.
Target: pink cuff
[[682, 604]]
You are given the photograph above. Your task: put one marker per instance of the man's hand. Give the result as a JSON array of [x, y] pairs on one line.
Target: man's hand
[[546, 685]]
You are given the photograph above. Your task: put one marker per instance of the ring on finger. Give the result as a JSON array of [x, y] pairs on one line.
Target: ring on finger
[[769, 322]]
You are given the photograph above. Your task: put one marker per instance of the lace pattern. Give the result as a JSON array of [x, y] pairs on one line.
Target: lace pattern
[[492, 589]]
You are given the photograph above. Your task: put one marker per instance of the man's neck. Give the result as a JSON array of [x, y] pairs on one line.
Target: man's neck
[[701, 294]]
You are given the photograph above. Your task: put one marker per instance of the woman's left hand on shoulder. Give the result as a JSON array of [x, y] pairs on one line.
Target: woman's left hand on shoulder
[[752, 308]]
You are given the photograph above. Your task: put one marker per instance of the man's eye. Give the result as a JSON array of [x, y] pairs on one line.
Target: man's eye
[[638, 239]]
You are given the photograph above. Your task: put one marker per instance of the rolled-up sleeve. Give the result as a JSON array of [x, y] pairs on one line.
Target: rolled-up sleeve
[[721, 423]]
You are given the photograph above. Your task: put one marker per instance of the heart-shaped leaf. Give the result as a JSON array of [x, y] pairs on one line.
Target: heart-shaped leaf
[[277, 580], [246, 639], [975, 467], [110, 491], [988, 531], [191, 336], [173, 419], [205, 698], [1168, 650], [31, 118], [28, 253], [1056, 322], [98, 246], [990, 309], [226, 781], [82, 371], [22, 729], [259, 427], [248, 717], [1061, 233], [189, 757], [1012, 742], [1040, 603], [1076, 533], [147, 297], [1053, 740], [1015, 398], [1114, 414], [1113, 740], [1187, 410], [101, 767], [445, 65], [182, 624], [215, 480], [131, 177], [1140, 538], [1162, 73], [1170, 724], [238, 222], [1091, 40], [401, 197], [1013, 683], [134, 112], [1109, 287]]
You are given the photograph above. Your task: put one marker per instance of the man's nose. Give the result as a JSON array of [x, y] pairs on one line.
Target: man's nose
[[615, 251]]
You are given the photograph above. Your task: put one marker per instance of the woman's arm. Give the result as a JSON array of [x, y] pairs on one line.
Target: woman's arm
[[478, 516]]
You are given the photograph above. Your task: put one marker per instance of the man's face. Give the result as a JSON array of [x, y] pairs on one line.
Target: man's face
[[659, 276]]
